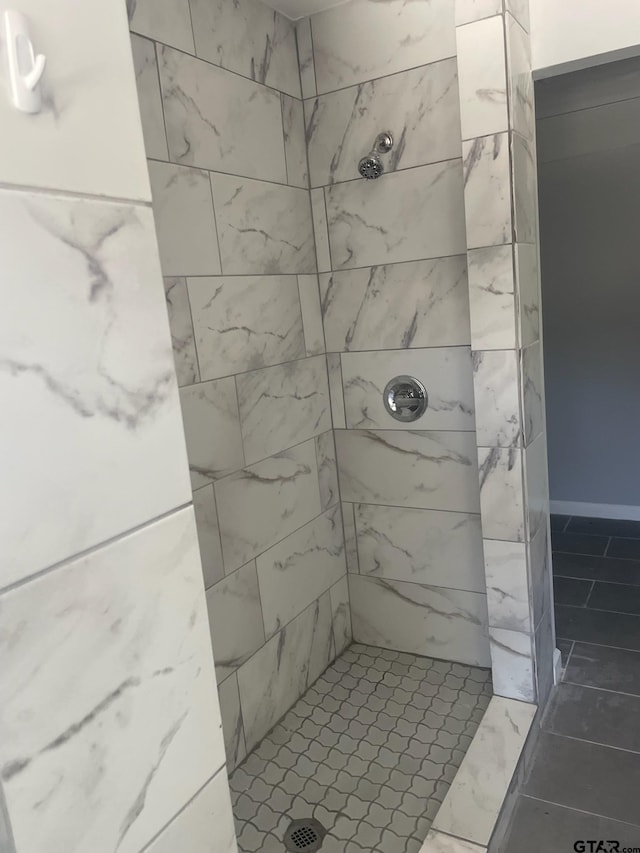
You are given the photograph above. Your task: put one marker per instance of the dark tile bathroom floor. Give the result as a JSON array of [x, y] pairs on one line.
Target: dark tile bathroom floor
[[370, 751], [584, 782]]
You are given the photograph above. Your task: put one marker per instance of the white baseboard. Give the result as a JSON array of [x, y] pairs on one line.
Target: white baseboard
[[622, 511]]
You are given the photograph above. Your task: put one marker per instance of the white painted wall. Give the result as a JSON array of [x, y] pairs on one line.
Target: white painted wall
[[572, 30]]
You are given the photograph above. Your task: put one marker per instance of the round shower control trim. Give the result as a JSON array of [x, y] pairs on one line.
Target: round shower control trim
[[405, 398]]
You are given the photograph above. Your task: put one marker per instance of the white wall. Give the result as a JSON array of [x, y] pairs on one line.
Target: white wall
[[572, 30]]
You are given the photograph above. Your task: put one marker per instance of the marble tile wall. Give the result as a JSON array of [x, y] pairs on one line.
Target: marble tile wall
[[224, 127], [395, 300], [498, 133]]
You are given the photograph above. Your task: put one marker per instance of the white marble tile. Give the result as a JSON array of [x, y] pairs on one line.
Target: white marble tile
[[421, 546], [432, 470], [439, 842], [327, 469], [132, 724], [184, 347], [300, 569], [263, 228], [472, 805], [185, 224], [396, 306], [311, 314], [545, 648], [335, 390], [398, 36], [249, 38], [350, 537], [474, 10], [87, 136], [207, 127], [295, 146], [282, 669], [235, 619], [525, 190], [496, 387], [482, 77], [148, 86], [445, 372], [305, 58], [501, 493], [375, 222], [512, 664], [205, 825], [212, 430], [505, 565], [204, 505], [520, 79], [520, 11], [431, 621], [532, 386], [6, 841], [84, 273], [537, 484], [492, 298], [264, 503], [540, 575], [282, 406], [487, 196], [232, 727], [166, 21], [419, 107], [245, 322], [320, 229], [528, 292], [341, 612]]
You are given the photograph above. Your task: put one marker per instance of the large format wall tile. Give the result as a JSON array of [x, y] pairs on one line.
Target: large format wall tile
[[482, 73], [507, 586], [245, 322], [525, 180], [110, 720], [409, 215], [446, 373], [532, 382], [209, 125], [421, 546], [512, 658], [299, 569], [422, 620], [309, 290], [181, 325], [474, 10], [212, 430], [148, 85], [528, 292], [487, 199], [520, 79], [495, 380], [166, 21], [341, 615], [395, 306], [432, 470], [249, 38], [501, 493], [263, 227], [183, 212], [420, 108], [284, 667], [282, 406], [305, 58], [398, 36], [235, 618], [264, 503], [492, 298], [537, 484], [79, 381], [295, 144]]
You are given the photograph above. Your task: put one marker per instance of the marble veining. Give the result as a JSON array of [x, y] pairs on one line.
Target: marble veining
[[208, 124], [341, 615], [440, 842], [320, 229], [148, 86], [492, 298], [487, 197], [528, 292], [501, 493], [520, 11], [419, 106], [232, 727], [83, 273], [350, 538], [305, 58], [204, 505], [512, 656], [377, 222], [505, 566], [520, 79], [482, 74], [166, 21], [532, 382], [496, 387], [295, 147], [245, 322], [525, 190], [327, 469], [537, 484], [334, 370], [311, 314], [184, 347], [397, 306]]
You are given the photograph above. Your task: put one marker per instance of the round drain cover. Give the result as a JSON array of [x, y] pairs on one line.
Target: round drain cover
[[307, 834]]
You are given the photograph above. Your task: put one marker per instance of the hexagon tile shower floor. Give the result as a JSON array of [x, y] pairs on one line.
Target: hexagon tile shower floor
[[369, 751]]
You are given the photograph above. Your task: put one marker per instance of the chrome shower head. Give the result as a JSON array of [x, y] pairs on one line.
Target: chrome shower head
[[371, 166]]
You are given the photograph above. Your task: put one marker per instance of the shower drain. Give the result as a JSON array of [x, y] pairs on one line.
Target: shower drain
[[306, 835]]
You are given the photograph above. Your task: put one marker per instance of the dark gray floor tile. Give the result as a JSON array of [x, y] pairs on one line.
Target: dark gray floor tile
[[571, 591], [565, 647], [611, 596], [598, 626], [628, 549], [612, 719], [597, 568], [537, 826], [579, 543], [604, 527], [596, 779], [609, 669], [559, 522]]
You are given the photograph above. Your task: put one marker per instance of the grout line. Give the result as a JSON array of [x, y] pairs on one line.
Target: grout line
[[579, 811], [77, 195], [589, 594], [575, 739], [600, 610], [596, 580], [602, 689], [566, 666], [601, 645], [566, 524], [566, 112], [608, 546]]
